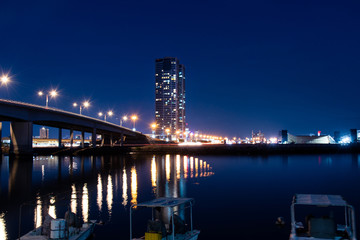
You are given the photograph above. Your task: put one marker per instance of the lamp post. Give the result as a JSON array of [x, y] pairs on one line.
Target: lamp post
[[167, 134], [153, 127], [134, 118], [53, 93], [123, 119], [109, 113], [85, 104]]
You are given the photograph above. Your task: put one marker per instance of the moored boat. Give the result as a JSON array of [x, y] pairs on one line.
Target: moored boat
[[176, 229], [326, 217], [61, 229]]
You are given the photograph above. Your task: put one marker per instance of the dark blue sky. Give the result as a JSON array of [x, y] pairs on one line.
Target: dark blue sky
[[250, 65]]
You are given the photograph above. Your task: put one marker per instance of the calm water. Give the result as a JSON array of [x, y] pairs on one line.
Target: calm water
[[238, 197]]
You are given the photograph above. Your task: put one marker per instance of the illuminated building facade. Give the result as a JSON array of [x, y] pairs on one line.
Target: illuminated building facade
[[169, 97], [44, 133]]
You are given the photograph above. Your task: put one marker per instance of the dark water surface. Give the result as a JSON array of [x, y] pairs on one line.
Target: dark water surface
[[236, 197]]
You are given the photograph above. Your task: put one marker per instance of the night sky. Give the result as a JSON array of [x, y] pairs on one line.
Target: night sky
[[250, 65]]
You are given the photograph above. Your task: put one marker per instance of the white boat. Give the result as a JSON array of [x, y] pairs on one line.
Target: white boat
[[337, 219], [176, 229], [59, 230]]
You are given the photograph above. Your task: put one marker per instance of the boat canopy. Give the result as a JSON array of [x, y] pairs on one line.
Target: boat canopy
[[164, 202], [319, 200]]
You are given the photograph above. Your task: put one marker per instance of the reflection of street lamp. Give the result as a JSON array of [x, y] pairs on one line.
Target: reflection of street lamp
[[53, 93], [134, 118], [124, 118], [153, 127], [85, 104]]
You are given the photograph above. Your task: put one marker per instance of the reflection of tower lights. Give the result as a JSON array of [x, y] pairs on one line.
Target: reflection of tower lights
[[124, 189], [99, 192], [167, 167], [178, 166], [52, 209], [133, 185], [109, 197], [85, 203], [37, 215], [42, 173], [191, 167], [3, 233], [201, 168], [73, 203], [196, 167], [153, 172], [185, 167]]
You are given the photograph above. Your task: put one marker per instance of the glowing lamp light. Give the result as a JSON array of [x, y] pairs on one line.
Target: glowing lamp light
[[74, 104], [133, 117], [86, 104], [110, 113], [5, 79], [100, 114], [53, 93], [40, 93]]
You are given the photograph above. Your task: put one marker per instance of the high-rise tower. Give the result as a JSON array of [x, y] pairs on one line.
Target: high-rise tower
[[169, 97]]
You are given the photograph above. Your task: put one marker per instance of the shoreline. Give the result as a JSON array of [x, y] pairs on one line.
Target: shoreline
[[206, 149]]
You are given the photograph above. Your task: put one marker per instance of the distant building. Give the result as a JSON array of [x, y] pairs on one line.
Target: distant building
[[258, 137], [44, 133], [313, 139], [169, 97]]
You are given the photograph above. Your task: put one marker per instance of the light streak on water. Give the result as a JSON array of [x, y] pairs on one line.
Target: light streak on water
[[109, 196], [3, 232], [124, 189], [153, 172], [133, 185], [73, 204], [85, 203], [99, 192], [167, 167], [185, 167], [37, 215], [52, 209], [178, 166]]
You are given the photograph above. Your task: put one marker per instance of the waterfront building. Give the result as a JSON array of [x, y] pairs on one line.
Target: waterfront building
[[169, 98], [44, 133]]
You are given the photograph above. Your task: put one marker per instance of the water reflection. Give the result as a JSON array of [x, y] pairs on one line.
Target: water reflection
[[99, 192], [134, 186], [52, 209], [99, 179], [85, 203], [73, 203], [109, 196], [3, 233], [124, 188], [38, 211]]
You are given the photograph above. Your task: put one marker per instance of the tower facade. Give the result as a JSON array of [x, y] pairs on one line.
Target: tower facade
[[169, 97]]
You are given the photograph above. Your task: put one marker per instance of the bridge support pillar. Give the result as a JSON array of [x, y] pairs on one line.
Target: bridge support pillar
[[71, 137], [21, 134], [111, 140], [82, 139], [93, 138], [0, 137], [121, 139], [60, 136]]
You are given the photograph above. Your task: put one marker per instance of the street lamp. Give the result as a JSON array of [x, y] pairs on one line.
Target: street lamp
[[134, 118], [109, 113], [153, 127], [53, 93], [167, 134], [85, 104], [123, 119], [4, 79]]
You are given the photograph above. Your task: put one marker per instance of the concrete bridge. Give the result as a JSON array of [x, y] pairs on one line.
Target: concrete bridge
[[23, 115]]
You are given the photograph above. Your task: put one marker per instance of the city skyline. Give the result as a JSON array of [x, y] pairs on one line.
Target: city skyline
[[250, 66]]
